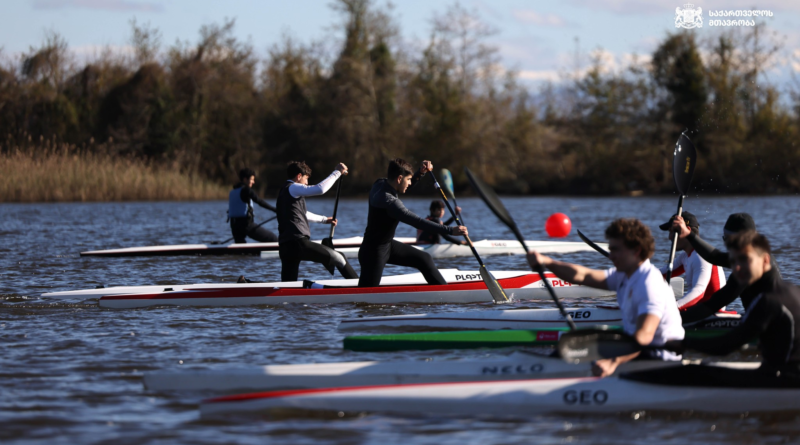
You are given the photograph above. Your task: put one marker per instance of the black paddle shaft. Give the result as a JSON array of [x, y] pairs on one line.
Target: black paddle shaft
[[259, 225], [458, 220], [336, 205], [593, 245]]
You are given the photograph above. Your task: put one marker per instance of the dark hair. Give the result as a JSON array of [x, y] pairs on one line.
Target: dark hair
[[245, 174], [295, 168], [399, 167], [634, 234], [437, 205], [739, 241]]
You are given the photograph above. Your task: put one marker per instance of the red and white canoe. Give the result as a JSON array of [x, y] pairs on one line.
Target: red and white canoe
[[347, 246], [462, 287]]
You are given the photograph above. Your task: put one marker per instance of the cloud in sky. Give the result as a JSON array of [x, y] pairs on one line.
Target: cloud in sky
[[106, 5], [667, 6], [535, 18]]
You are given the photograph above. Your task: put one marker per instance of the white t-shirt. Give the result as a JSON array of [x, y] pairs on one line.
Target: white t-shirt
[[701, 277], [646, 292]]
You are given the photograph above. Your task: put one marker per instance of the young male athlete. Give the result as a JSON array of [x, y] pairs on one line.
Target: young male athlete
[[772, 317], [647, 303], [703, 279], [293, 217], [436, 215], [736, 223], [385, 212], [240, 210]]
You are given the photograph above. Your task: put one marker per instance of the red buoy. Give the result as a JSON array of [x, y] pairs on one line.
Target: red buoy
[[558, 225]]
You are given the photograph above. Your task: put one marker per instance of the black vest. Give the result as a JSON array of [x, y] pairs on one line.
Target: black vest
[[292, 220]]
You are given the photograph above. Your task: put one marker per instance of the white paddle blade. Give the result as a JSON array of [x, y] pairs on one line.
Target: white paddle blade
[[497, 292]]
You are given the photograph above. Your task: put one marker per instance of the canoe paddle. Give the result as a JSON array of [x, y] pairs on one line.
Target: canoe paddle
[[259, 225], [447, 182], [496, 291], [587, 345], [328, 242], [490, 198], [683, 162], [592, 244]]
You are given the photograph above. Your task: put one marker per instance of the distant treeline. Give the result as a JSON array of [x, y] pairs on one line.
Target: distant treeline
[[209, 108]]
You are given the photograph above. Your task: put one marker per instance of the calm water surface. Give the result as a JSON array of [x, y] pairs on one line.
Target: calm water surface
[[71, 372]]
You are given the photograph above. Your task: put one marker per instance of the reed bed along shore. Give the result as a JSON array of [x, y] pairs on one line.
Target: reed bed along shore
[[63, 173]]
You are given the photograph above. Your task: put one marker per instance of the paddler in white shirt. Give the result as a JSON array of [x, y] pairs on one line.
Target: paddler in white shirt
[[649, 313]]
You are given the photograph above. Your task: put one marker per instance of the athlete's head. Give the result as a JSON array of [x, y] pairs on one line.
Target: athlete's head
[[247, 176], [738, 222], [629, 243], [691, 222], [437, 208], [399, 174], [750, 255], [298, 172]]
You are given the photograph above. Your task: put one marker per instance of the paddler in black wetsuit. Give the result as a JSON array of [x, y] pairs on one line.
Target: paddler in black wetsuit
[[736, 223], [240, 210], [437, 213], [293, 218], [385, 212], [772, 317]]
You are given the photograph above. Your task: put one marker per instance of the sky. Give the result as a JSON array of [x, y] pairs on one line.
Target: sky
[[537, 38]]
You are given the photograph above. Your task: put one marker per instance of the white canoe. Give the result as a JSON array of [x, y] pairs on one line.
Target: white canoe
[[349, 247], [462, 287], [321, 375], [518, 398]]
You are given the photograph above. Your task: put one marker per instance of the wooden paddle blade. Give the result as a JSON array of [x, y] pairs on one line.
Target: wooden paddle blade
[[495, 205], [447, 183], [592, 244], [497, 292], [684, 160], [586, 345]]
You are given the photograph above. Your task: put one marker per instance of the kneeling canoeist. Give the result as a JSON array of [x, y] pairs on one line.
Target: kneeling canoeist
[[385, 212], [703, 279], [772, 317], [240, 210], [293, 218], [647, 303], [436, 215], [736, 223]]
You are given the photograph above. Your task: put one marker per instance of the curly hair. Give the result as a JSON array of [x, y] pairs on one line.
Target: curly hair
[[634, 234], [741, 240]]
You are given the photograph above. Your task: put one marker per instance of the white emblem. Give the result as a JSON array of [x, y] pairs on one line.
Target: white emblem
[[688, 17]]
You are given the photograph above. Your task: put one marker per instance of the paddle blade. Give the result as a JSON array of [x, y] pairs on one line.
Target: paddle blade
[[586, 345], [497, 292], [447, 183], [493, 202], [684, 160]]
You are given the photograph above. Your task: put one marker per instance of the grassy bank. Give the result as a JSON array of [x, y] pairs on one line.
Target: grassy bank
[[65, 173]]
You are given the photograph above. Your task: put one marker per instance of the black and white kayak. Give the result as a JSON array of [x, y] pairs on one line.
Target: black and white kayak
[[578, 395], [320, 375], [347, 246]]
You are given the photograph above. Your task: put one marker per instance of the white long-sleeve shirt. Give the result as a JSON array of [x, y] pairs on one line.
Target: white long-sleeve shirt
[[298, 190], [701, 277]]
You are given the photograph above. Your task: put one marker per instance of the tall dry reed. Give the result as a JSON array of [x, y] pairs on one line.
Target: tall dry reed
[[52, 172]]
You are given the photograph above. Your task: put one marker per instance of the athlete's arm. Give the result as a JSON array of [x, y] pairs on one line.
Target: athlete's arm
[[396, 209], [573, 273], [721, 298], [709, 252], [700, 279], [646, 326], [313, 217], [298, 190], [452, 239], [754, 322], [247, 194]]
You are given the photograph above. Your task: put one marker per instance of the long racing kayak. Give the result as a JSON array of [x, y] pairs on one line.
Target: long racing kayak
[[480, 339], [347, 246], [320, 375], [589, 395]]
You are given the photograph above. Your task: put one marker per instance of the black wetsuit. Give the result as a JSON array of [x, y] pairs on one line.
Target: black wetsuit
[[379, 247], [294, 244], [428, 237], [729, 292], [243, 227], [772, 317]]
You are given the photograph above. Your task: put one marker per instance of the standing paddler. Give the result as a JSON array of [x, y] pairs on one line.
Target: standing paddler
[[293, 217], [386, 210], [649, 313], [240, 210]]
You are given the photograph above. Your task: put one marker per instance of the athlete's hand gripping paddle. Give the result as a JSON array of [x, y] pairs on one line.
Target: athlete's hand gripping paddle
[[328, 242], [490, 198], [683, 162], [496, 291]]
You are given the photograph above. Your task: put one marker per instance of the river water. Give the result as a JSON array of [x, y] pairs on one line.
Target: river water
[[70, 372]]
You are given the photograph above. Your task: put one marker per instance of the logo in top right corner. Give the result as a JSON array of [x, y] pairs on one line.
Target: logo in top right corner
[[689, 16]]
